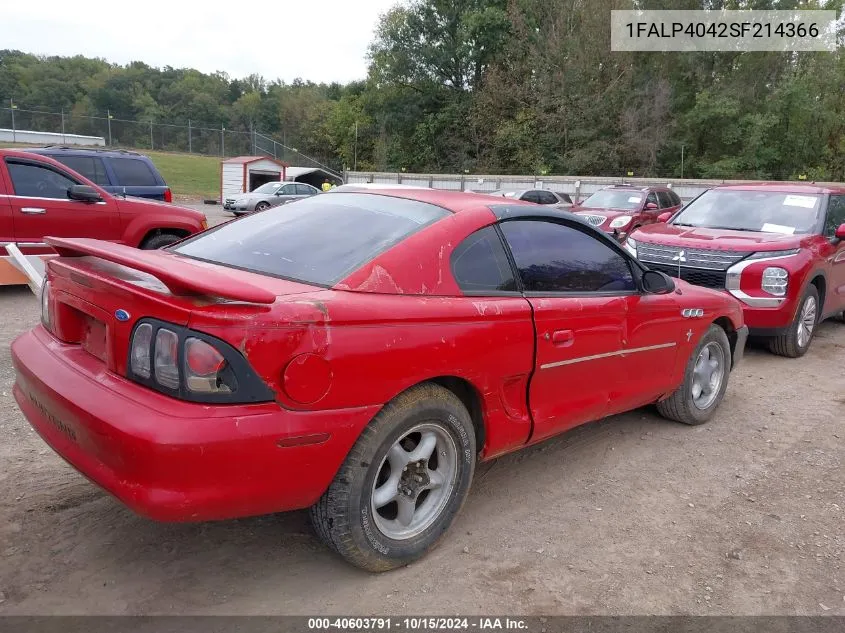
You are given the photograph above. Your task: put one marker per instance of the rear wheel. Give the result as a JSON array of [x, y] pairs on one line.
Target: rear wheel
[[159, 241], [796, 341], [403, 482], [705, 381]]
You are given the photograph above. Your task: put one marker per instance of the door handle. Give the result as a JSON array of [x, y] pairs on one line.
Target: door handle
[[563, 338], [33, 210]]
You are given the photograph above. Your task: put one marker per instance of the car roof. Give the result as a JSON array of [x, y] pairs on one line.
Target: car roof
[[454, 201], [784, 187], [84, 151], [636, 188]]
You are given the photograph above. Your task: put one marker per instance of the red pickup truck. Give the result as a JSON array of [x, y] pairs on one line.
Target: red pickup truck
[[39, 196], [777, 247]]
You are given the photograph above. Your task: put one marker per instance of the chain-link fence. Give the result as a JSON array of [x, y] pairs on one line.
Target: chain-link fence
[[151, 135]]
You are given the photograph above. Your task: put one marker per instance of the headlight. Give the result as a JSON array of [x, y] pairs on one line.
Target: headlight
[[775, 281], [45, 304], [631, 246], [621, 222], [768, 254]]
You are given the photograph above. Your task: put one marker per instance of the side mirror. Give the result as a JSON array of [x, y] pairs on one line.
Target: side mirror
[[657, 283], [84, 193], [665, 217], [840, 232], [650, 206]]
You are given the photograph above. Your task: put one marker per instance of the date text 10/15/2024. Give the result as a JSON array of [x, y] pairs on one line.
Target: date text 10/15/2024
[[407, 623]]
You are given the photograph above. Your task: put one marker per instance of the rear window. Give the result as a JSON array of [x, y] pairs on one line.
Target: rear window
[[318, 240], [132, 172]]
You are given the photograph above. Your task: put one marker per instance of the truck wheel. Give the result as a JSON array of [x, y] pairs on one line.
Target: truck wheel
[[796, 341], [159, 241], [705, 381], [402, 483]]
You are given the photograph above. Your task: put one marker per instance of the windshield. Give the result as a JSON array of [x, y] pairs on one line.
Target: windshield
[[608, 199], [764, 211], [318, 240], [269, 187]]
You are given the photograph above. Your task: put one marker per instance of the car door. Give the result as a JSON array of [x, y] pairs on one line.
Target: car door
[[40, 206], [834, 253], [285, 193], [577, 285], [646, 215], [667, 202], [305, 191]]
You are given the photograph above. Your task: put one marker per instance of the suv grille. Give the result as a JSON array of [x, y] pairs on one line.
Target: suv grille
[[689, 257], [594, 220], [706, 278]]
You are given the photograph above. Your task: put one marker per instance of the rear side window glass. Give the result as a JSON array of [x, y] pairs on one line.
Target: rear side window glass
[[547, 197], [89, 166], [132, 172], [481, 265], [665, 199], [319, 240], [531, 196], [676, 198], [305, 190]]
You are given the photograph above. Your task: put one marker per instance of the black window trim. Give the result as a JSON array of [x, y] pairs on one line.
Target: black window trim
[[508, 213]]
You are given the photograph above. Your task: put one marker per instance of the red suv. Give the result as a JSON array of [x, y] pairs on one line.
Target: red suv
[[777, 247], [40, 196], [621, 209]]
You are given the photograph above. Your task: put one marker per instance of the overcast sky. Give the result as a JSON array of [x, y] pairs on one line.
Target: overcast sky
[[320, 40]]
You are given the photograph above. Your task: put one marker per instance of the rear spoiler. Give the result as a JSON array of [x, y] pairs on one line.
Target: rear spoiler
[[180, 274]]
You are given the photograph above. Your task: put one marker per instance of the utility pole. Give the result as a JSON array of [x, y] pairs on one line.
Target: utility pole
[[222, 141], [355, 161], [682, 161], [189, 137], [64, 142], [108, 118], [151, 134], [13, 107]]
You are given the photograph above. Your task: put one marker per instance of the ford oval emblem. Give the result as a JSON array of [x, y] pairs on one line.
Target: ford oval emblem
[[121, 315]]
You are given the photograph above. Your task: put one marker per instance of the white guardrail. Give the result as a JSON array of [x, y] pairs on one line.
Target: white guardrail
[[578, 187]]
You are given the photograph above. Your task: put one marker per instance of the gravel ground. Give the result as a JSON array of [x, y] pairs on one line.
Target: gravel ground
[[630, 515]]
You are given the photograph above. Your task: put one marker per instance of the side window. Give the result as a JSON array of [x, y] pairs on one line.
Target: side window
[[676, 198], [530, 196], [652, 198], [554, 257], [835, 214], [480, 264], [665, 199], [305, 190], [565, 198], [289, 190], [89, 166], [547, 197], [133, 172], [38, 181]]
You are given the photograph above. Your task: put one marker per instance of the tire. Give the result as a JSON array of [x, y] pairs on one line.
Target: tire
[[796, 341], [262, 206], [683, 406], [346, 517], [159, 241]]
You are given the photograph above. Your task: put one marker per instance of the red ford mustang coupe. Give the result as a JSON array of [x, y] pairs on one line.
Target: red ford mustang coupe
[[356, 353]]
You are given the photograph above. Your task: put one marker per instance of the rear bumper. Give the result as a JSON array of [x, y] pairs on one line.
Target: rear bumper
[[171, 460]]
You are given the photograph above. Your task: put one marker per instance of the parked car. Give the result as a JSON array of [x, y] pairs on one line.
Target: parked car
[[270, 194], [116, 171], [40, 196], [337, 354], [621, 209], [779, 248], [537, 196]]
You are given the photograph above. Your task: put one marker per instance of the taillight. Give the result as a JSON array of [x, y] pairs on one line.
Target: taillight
[[206, 369], [168, 195], [139, 355], [192, 365], [166, 356], [46, 317]]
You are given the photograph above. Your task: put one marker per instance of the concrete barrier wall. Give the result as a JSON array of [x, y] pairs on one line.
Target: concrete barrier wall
[[49, 138], [578, 187]]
